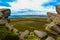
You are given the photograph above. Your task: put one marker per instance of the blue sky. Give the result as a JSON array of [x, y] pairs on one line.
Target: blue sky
[[29, 7]]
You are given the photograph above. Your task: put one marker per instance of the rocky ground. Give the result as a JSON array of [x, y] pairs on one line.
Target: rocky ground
[[29, 29]]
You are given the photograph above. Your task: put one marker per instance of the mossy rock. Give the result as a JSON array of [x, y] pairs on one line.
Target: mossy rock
[[58, 38], [32, 36], [5, 34]]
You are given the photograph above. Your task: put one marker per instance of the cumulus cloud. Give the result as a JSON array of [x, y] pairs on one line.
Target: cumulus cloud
[[34, 5]]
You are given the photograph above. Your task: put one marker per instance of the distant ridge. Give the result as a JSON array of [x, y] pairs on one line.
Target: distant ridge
[[27, 16]]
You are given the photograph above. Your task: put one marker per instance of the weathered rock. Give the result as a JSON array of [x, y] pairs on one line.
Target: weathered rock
[[26, 32], [20, 33], [49, 38], [4, 13], [3, 21], [10, 27], [54, 14], [52, 28], [40, 34], [58, 9], [54, 22], [51, 16], [57, 20]]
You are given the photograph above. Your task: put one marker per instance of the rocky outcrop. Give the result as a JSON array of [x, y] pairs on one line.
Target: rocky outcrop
[[54, 22], [4, 13]]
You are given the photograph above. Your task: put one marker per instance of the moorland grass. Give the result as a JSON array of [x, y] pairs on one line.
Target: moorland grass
[[30, 24]]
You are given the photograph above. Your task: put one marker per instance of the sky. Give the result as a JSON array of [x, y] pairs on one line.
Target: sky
[[30, 7]]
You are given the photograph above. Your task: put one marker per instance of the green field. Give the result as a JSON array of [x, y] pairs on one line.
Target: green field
[[30, 24]]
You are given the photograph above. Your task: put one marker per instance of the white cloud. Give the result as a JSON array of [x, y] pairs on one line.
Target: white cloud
[[32, 4], [3, 7]]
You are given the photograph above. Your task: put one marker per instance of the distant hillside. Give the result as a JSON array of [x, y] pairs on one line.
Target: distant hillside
[[27, 16]]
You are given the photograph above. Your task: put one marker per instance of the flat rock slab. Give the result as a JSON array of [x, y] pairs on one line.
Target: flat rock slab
[[40, 34], [49, 38]]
